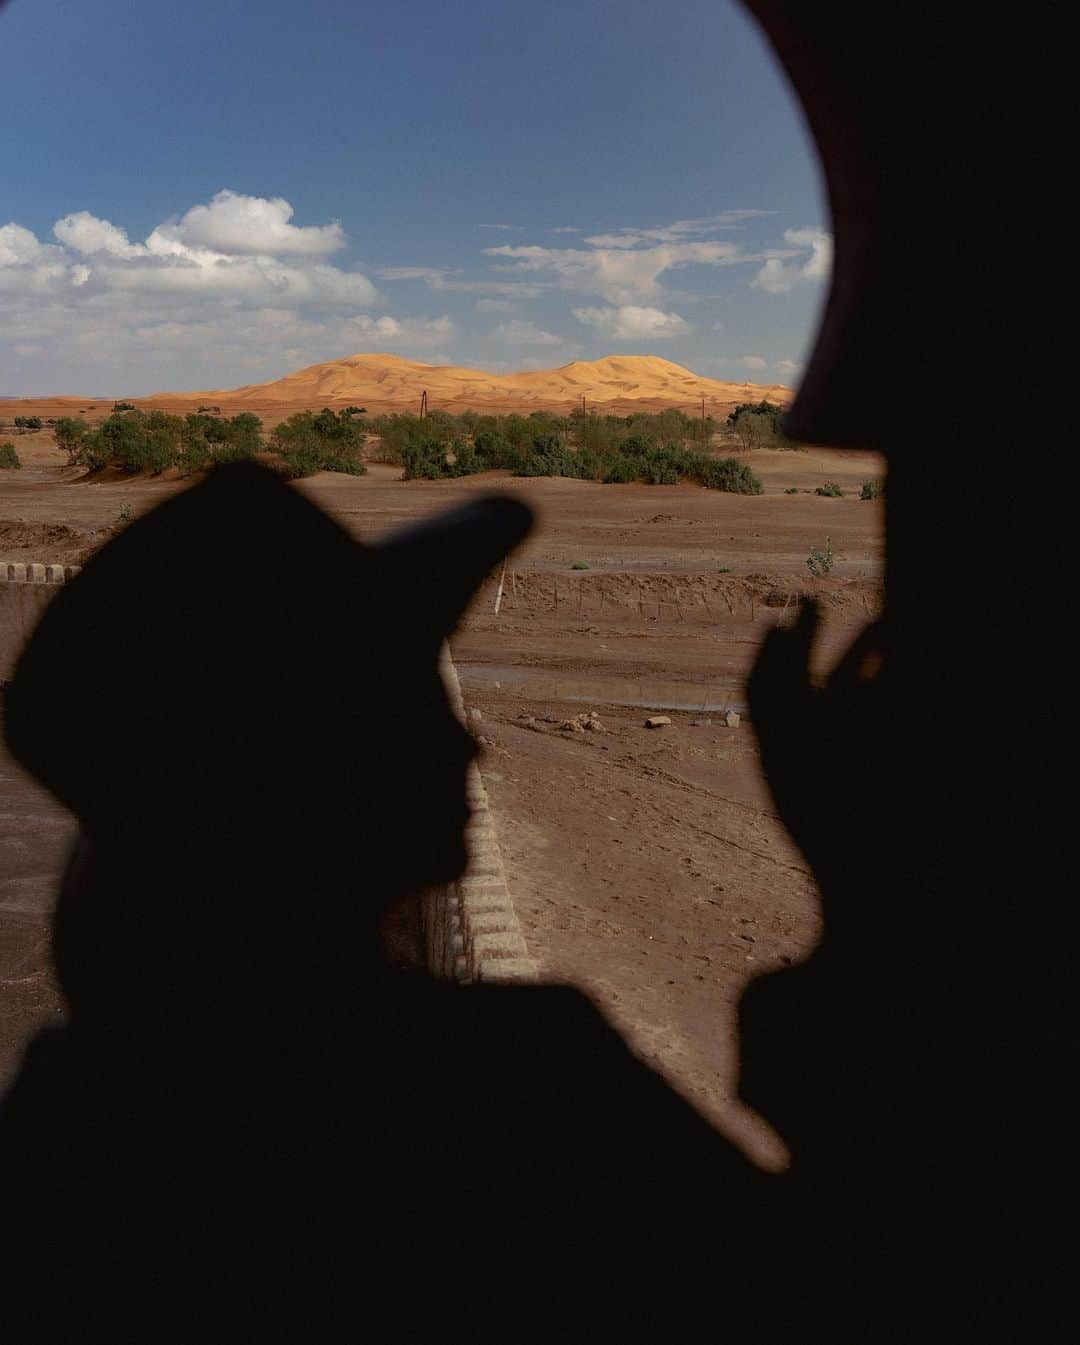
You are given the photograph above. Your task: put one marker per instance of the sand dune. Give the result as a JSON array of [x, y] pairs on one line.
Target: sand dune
[[391, 383]]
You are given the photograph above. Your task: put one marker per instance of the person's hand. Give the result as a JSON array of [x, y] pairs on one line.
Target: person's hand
[[822, 748]]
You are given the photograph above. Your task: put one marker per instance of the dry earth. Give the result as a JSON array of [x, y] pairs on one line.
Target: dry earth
[[647, 865]]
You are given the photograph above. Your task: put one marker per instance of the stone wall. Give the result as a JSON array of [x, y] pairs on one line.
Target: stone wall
[[25, 591]]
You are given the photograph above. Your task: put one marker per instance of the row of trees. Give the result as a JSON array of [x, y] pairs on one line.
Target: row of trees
[[610, 458], [152, 441], [655, 447]]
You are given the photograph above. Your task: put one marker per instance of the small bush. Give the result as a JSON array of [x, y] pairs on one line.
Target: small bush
[[126, 514], [820, 560], [123, 406], [661, 466], [28, 422], [8, 456], [580, 565], [231, 452], [425, 460], [69, 436], [872, 489], [309, 443], [831, 489], [792, 490], [299, 462], [621, 470], [731, 475], [195, 456]]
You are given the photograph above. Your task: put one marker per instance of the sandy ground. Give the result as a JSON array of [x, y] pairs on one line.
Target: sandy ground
[[647, 865]]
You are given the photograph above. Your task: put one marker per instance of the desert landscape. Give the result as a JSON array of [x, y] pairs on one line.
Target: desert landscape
[[616, 384], [647, 864]]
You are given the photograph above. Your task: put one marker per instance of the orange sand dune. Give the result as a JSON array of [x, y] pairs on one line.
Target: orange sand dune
[[391, 383]]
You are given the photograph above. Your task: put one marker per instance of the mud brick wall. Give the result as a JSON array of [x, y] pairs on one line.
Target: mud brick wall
[[25, 591], [471, 931]]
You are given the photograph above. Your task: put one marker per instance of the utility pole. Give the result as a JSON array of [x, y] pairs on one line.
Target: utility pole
[[582, 403], [423, 404]]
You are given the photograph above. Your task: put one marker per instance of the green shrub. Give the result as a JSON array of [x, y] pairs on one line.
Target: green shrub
[[123, 406], [425, 459], [301, 461], [494, 450], [308, 443], [621, 470], [731, 475], [580, 565], [831, 489], [792, 490], [222, 453], [8, 456], [773, 414], [820, 560], [126, 513], [28, 422], [661, 465], [466, 461], [872, 489], [194, 456]]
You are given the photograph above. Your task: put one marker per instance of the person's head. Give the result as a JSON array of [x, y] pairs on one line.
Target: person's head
[[243, 706]]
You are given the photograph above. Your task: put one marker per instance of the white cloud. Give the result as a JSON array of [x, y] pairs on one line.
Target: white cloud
[[777, 276], [676, 232], [631, 322], [414, 273], [621, 275], [519, 333], [494, 306], [232, 285], [788, 366], [253, 225], [753, 362], [19, 247], [173, 260], [86, 234]]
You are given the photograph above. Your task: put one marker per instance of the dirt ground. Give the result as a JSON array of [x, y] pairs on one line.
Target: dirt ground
[[647, 865]]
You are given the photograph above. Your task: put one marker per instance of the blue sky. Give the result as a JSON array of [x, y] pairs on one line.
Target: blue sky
[[198, 194]]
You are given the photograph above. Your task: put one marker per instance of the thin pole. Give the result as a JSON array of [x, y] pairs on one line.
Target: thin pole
[[498, 595]]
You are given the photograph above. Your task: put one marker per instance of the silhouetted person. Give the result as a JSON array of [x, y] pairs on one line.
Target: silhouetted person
[[251, 1123]]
